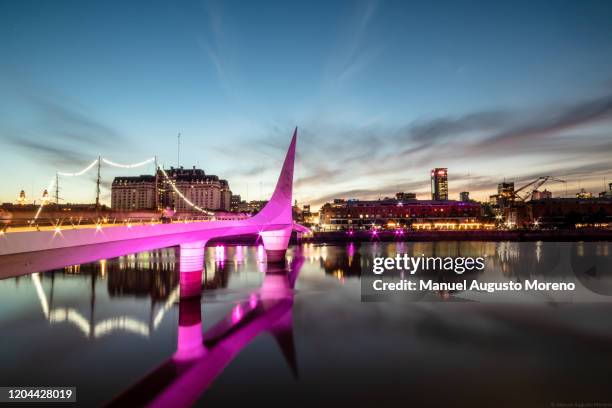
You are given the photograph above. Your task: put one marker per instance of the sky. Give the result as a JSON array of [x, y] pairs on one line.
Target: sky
[[381, 91]]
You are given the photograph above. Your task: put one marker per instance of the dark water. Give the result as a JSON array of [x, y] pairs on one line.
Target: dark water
[[112, 329]]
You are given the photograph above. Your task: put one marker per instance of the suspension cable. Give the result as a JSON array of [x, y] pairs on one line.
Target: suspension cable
[[127, 166], [178, 192], [80, 173]]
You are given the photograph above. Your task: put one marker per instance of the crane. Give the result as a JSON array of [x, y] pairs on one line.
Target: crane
[[528, 189]]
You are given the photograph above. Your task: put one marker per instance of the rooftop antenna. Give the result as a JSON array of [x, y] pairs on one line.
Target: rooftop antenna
[[156, 185], [178, 152], [98, 184], [56, 188]]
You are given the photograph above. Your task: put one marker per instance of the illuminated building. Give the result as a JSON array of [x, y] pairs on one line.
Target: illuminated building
[[391, 213], [439, 184], [203, 190], [235, 201], [584, 194], [133, 193], [22, 198], [505, 194]]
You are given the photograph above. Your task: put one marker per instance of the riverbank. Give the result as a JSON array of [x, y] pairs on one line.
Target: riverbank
[[515, 235]]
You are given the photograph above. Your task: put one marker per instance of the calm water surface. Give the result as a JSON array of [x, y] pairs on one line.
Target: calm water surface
[[109, 328]]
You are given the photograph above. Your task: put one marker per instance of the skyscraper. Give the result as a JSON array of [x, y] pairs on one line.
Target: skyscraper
[[439, 184]]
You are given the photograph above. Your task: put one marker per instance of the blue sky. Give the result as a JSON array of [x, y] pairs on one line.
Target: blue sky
[[382, 91]]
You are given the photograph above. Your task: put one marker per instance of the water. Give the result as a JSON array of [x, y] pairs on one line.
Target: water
[[112, 329]]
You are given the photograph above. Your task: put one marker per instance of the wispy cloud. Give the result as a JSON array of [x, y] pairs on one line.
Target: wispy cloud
[[381, 156]]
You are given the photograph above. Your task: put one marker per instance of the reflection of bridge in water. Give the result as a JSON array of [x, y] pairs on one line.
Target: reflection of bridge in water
[[201, 357]]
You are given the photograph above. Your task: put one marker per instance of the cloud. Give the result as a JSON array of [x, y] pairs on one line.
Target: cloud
[[559, 141]]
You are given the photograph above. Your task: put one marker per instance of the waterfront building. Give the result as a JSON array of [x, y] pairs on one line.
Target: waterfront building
[[133, 193], [439, 184], [149, 192], [584, 194], [570, 212], [390, 213], [204, 190]]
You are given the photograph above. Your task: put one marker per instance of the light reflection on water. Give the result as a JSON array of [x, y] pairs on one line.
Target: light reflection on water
[[103, 326]]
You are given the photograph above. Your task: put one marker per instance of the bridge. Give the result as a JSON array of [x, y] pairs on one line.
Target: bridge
[[26, 252]]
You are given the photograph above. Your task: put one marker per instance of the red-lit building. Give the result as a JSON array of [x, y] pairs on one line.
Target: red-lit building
[[362, 214]]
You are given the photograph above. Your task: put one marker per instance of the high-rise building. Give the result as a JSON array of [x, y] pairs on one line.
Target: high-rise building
[[439, 184], [464, 196], [505, 194]]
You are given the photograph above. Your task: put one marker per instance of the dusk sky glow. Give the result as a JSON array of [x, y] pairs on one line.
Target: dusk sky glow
[[382, 91]]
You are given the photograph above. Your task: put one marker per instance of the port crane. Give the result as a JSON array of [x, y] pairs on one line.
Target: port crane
[[525, 192]]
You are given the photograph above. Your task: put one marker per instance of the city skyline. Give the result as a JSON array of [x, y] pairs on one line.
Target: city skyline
[[382, 92]]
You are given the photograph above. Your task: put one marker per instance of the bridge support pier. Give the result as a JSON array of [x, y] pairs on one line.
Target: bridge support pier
[[189, 344], [191, 265], [276, 243]]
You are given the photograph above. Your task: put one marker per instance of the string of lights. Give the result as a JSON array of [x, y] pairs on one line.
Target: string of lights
[[178, 192], [128, 166], [80, 173], [85, 170]]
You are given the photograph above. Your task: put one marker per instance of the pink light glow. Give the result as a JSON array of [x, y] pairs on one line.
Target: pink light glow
[[237, 313], [253, 300]]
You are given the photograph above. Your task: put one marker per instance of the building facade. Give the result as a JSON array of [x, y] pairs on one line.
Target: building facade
[[148, 192], [133, 193], [204, 190], [439, 184], [363, 214]]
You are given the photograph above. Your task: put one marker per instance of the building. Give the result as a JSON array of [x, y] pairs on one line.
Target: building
[[235, 201], [147, 192], [439, 184], [365, 214], [204, 190], [584, 194], [405, 196], [505, 194], [464, 196], [133, 193], [570, 212], [539, 195]]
